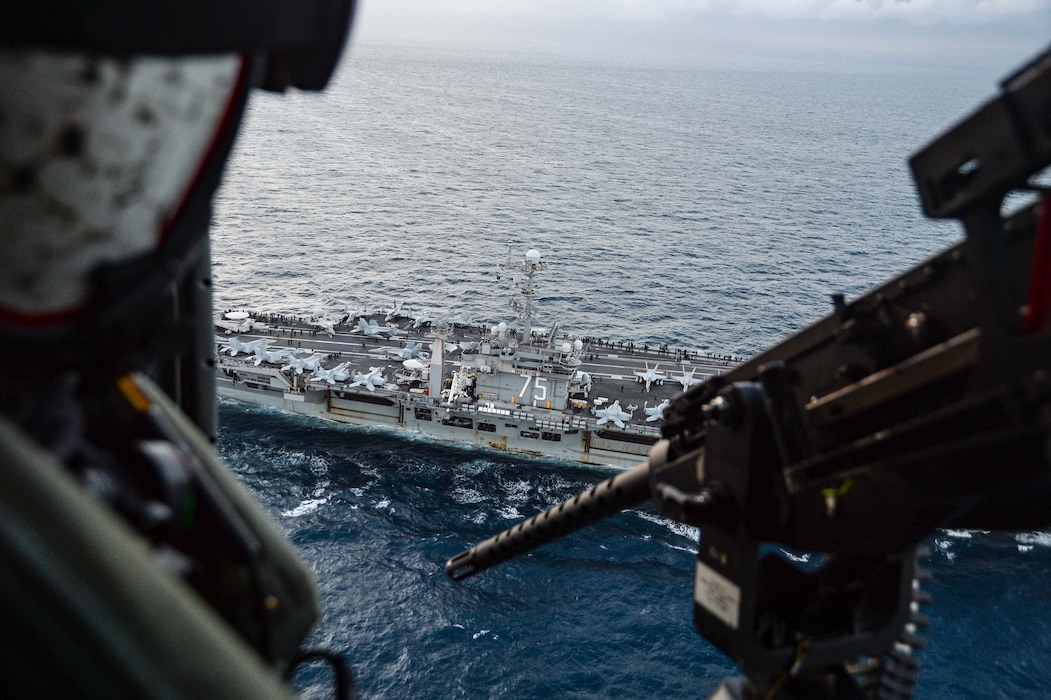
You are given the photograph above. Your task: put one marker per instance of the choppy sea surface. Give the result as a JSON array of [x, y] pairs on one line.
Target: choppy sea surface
[[714, 207]]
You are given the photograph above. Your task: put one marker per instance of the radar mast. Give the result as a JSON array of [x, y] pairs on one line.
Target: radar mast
[[525, 303]]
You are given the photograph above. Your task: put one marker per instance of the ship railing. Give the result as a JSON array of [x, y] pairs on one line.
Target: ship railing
[[566, 423], [636, 428], [508, 413], [579, 423]]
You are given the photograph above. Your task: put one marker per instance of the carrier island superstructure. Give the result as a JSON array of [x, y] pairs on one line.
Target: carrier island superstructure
[[507, 386]]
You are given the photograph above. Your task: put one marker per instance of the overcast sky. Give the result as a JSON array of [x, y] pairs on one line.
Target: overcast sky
[[993, 34]]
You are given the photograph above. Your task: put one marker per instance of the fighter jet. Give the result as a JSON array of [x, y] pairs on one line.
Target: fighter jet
[[375, 330], [325, 325], [423, 319], [373, 379], [339, 373], [460, 318], [393, 312], [273, 357], [345, 310], [406, 353], [613, 413], [308, 363], [236, 345], [650, 376], [687, 380], [657, 412]]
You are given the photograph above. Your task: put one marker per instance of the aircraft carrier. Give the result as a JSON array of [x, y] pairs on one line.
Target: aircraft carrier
[[507, 386]]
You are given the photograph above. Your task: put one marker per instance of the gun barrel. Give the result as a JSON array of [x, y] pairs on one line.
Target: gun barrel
[[611, 496]]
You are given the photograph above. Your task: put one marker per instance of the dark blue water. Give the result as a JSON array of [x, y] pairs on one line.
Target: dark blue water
[[709, 207]]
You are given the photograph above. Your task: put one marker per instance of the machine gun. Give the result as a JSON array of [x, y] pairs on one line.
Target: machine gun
[[925, 403]]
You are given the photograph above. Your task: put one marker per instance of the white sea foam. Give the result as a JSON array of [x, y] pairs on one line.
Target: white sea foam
[[554, 489], [308, 506], [509, 513], [801, 558], [945, 547], [318, 465], [462, 494], [683, 530], [518, 492], [1034, 539]]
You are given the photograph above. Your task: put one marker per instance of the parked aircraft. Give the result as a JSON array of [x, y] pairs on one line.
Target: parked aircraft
[[650, 376], [236, 346], [269, 356], [393, 312], [461, 318], [656, 413], [375, 330], [345, 310], [687, 380], [308, 363], [423, 319], [613, 413], [339, 373], [373, 379], [406, 353], [325, 325]]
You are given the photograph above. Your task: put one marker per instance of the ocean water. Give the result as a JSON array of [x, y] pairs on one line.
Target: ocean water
[[714, 207]]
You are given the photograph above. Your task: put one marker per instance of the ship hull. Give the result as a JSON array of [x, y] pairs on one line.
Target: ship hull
[[516, 433]]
